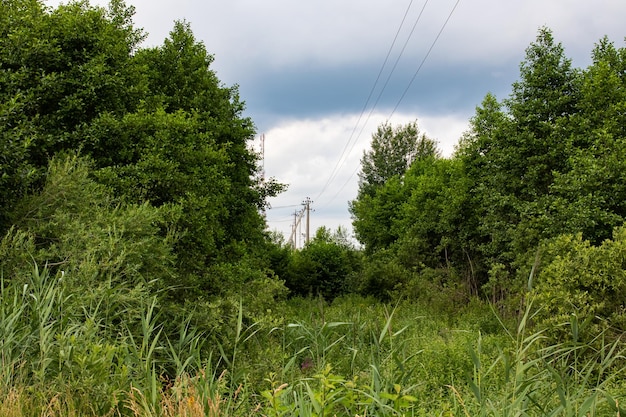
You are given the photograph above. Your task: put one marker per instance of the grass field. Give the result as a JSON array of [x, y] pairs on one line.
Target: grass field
[[354, 357]]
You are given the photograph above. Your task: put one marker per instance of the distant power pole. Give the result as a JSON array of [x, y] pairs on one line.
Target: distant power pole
[[307, 206], [263, 213], [263, 158], [294, 228], [293, 239]]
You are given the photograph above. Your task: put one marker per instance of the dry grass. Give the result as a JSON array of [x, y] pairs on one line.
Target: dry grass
[[10, 405], [181, 399]]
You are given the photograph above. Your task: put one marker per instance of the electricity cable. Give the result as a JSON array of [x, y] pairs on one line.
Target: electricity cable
[[339, 161], [425, 58], [406, 90], [284, 220], [384, 86], [282, 207]]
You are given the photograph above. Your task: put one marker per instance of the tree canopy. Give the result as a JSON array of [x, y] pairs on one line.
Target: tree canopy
[[544, 162], [154, 126], [393, 151]]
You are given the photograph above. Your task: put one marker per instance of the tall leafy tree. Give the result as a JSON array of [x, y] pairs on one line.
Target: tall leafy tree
[[514, 149], [590, 195], [180, 79], [492, 189], [392, 152], [545, 95], [433, 217], [59, 69], [548, 160], [393, 149]]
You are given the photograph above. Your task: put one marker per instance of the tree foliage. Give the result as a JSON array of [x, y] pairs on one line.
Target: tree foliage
[[582, 280], [393, 151], [59, 70], [546, 161], [538, 165], [324, 267], [158, 127]]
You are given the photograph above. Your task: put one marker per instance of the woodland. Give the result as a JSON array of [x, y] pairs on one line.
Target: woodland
[[138, 277]]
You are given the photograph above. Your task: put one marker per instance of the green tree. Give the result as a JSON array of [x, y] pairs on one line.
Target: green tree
[[157, 124], [373, 216], [548, 160], [483, 160], [67, 66], [325, 266], [169, 160], [180, 81], [546, 94], [436, 221], [514, 150], [392, 152], [380, 195], [59, 70], [420, 222], [590, 196]]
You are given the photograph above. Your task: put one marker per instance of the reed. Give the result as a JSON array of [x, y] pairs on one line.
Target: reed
[[353, 357]]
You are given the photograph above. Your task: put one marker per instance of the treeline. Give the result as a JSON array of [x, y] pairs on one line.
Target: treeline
[[130, 166], [534, 196]]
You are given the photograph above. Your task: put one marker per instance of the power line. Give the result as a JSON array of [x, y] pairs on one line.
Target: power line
[[381, 93], [282, 207], [341, 159], [339, 163], [283, 220], [343, 186], [405, 90], [425, 58], [395, 65]]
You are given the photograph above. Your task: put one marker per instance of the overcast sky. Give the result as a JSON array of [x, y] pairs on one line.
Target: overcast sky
[[307, 69]]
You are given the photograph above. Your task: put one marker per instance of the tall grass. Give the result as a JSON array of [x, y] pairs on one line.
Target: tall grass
[[354, 357], [12, 340], [531, 378]]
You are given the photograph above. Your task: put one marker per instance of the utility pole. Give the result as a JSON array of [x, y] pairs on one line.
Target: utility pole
[[296, 227], [263, 158], [297, 223], [263, 213], [307, 206]]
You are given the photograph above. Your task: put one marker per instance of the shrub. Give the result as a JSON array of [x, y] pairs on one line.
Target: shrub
[[586, 281], [323, 267]]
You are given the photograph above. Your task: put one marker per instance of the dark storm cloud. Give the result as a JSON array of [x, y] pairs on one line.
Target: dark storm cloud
[[306, 92]]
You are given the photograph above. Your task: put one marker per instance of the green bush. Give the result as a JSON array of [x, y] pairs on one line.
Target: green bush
[[324, 266], [382, 275], [578, 279]]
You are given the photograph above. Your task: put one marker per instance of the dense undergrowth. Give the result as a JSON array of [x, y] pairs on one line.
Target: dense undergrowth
[[355, 356]]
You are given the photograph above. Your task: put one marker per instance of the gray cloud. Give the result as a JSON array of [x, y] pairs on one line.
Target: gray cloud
[[322, 91]]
